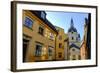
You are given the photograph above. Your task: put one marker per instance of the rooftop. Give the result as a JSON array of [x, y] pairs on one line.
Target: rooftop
[[46, 21]]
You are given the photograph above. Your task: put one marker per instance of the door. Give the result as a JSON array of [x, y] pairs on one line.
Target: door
[[25, 47]]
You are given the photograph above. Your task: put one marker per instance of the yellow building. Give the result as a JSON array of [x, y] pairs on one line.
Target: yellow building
[[60, 44], [39, 37], [66, 47]]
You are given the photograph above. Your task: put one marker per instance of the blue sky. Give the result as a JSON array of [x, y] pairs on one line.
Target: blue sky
[[63, 20]]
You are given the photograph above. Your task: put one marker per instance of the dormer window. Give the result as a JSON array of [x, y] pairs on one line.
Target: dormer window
[[43, 15]]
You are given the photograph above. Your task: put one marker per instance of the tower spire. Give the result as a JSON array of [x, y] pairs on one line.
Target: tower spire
[[72, 23]]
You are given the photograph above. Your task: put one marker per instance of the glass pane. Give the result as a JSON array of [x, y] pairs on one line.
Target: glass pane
[[28, 22]]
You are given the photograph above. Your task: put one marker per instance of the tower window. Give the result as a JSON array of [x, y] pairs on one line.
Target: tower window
[[72, 38]]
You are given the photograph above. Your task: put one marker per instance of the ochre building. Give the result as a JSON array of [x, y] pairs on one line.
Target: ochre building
[[39, 37]]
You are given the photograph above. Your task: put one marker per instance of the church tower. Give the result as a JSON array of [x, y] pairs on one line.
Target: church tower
[[74, 42], [74, 37]]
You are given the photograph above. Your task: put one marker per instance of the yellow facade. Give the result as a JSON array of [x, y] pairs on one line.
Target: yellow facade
[[66, 47], [60, 44], [32, 40], [53, 44]]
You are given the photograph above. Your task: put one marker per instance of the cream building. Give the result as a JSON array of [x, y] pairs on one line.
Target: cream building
[[74, 42]]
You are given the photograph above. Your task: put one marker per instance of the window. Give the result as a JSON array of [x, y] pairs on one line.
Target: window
[[50, 51], [41, 30], [60, 55], [60, 45], [43, 15], [51, 36], [72, 38], [38, 50], [28, 22], [73, 49]]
